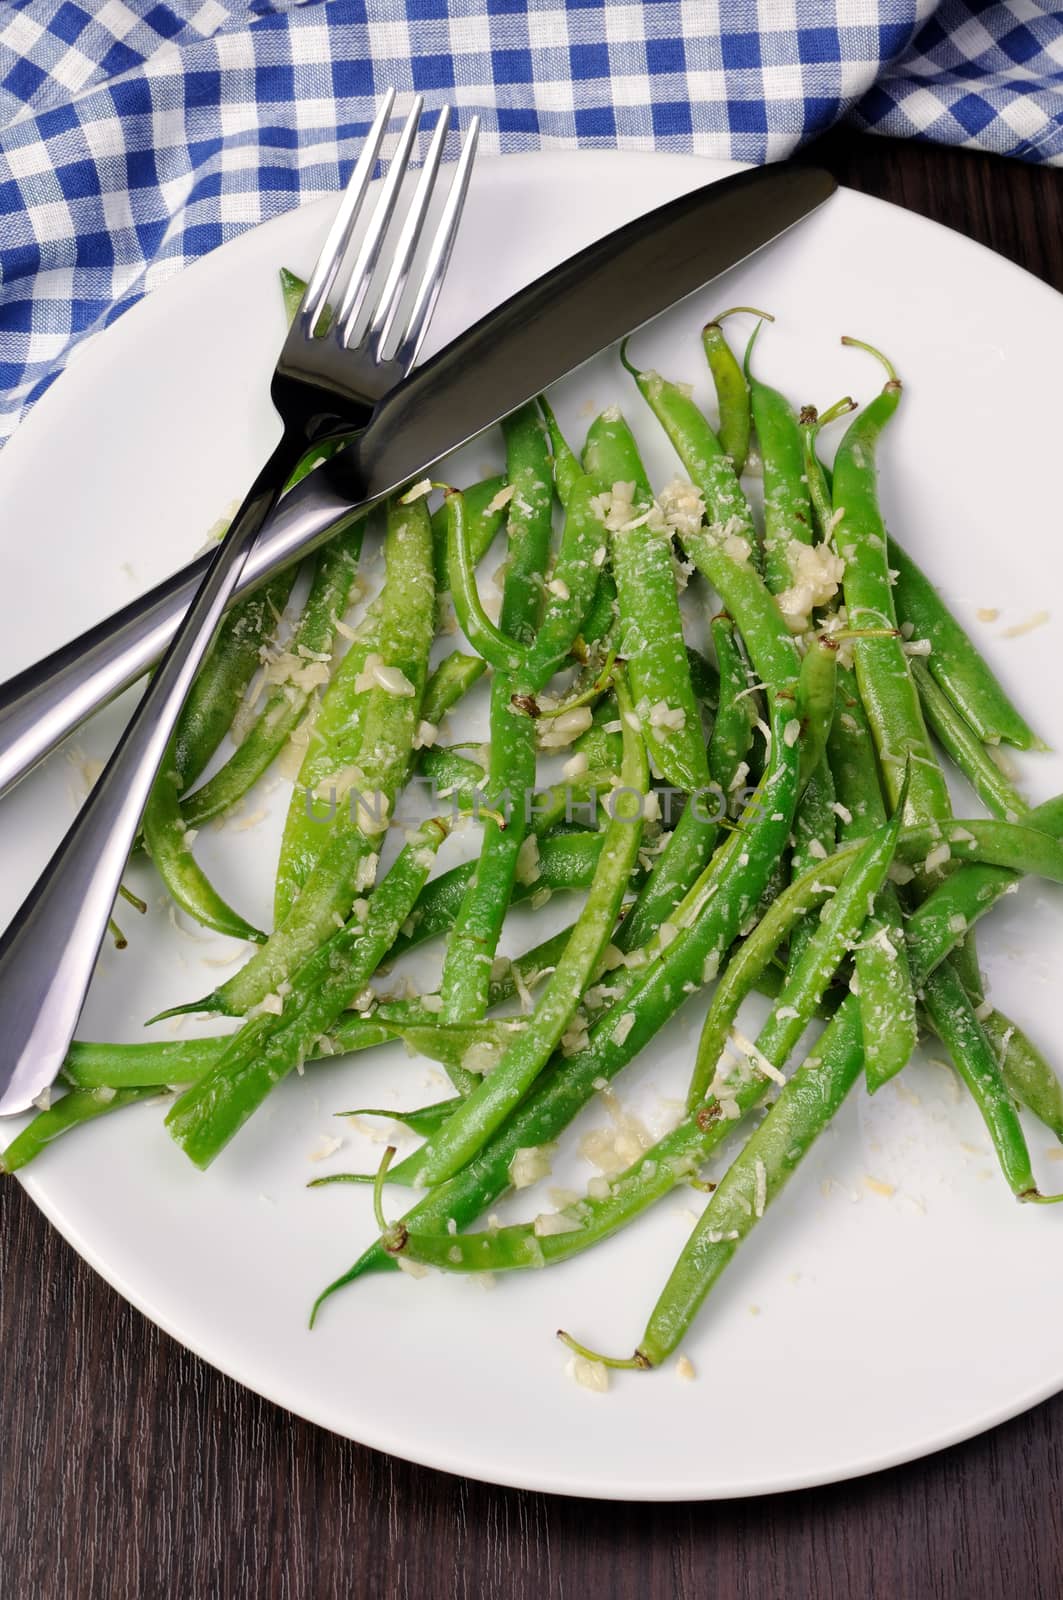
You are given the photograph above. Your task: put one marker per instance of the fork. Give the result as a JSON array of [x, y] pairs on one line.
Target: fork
[[325, 387]]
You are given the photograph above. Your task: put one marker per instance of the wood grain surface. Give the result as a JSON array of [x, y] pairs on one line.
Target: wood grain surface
[[132, 1469]]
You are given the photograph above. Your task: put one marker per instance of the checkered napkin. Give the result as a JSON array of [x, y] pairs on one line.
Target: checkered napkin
[[135, 135]]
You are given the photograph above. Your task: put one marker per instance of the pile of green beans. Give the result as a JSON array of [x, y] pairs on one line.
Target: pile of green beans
[[775, 818]]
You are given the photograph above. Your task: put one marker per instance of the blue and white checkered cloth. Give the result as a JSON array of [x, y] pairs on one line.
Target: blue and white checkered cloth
[[135, 135]]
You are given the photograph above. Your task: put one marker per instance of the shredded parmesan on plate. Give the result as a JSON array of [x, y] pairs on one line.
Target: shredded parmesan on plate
[[593, 1375], [376, 674], [562, 730], [528, 869], [529, 1165], [1017, 629], [760, 1199], [326, 1146], [501, 500], [817, 571], [548, 1223], [418, 492], [480, 1057]]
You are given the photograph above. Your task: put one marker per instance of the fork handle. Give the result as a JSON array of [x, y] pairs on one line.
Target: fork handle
[[48, 952], [44, 703]]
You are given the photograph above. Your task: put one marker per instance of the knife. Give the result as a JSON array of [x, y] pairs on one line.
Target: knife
[[511, 355]]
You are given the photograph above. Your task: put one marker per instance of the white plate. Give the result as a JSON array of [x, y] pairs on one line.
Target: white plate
[[855, 1330]]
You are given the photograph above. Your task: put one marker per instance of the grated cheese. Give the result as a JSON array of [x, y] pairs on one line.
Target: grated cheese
[[591, 1375], [326, 1146], [528, 868], [1017, 629], [529, 1165], [549, 1223], [501, 499]]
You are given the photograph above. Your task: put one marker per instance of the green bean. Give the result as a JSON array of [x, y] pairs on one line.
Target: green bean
[[477, 925], [485, 512], [687, 854], [172, 1062], [815, 826], [453, 777], [810, 421], [76, 1107], [422, 1120], [286, 703], [601, 618], [292, 290], [705, 679], [1026, 1072], [573, 586], [378, 762], [851, 752], [203, 723], [789, 518], [208, 711], [717, 550], [736, 714], [887, 689], [602, 749], [527, 1055], [693, 840], [156, 1064], [689, 850], [530, 526], [269, 1046], [953, 1016], [962, 744], [815, 823], [815, 700], [335, 740], [611, 454], [486, 639], [787, 508], [955, 661], [566, 463], [886, 997], [451, 680], [169, 843], [651, 628], [732, 390]]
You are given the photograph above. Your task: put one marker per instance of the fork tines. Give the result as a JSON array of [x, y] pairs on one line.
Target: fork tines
[[379, 327]]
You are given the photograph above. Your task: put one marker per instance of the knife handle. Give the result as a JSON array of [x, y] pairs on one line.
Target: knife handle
[[47, 701]]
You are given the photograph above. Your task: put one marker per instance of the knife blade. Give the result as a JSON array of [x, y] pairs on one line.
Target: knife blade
[[533, 339], [571, 314]]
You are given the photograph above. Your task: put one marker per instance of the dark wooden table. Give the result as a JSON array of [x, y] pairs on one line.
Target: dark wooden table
[[132, 1469]]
